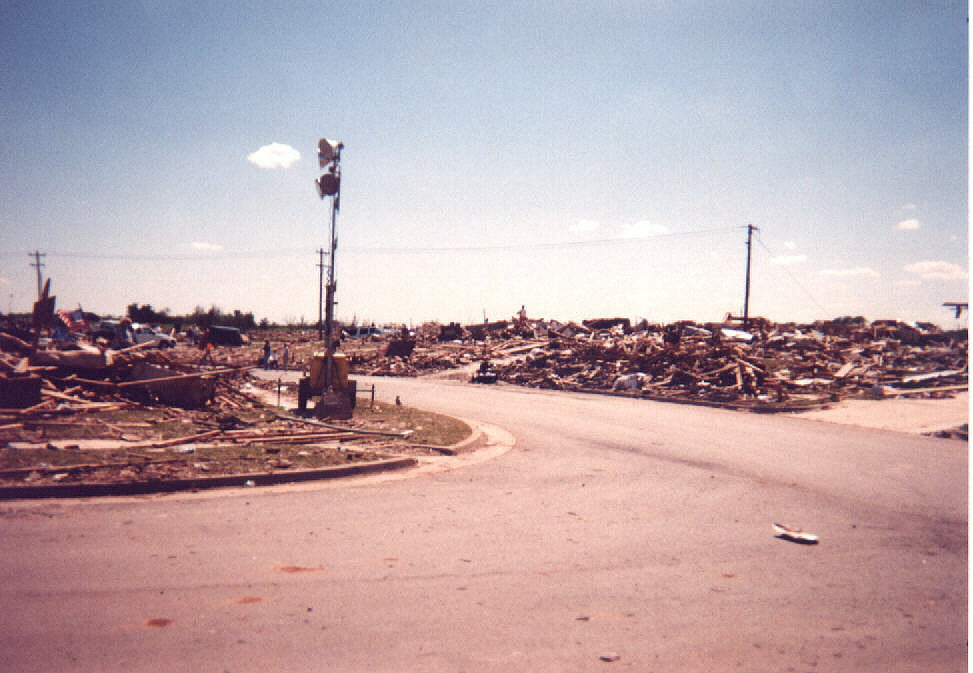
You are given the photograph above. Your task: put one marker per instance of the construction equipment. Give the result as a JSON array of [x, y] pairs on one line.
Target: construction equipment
[[339, 401], [485, 374]]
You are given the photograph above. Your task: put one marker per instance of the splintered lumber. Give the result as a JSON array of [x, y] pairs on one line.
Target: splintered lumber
[[46, 405], [103, 386], [181, 377], [9, 340], [162, 443], [301, 437], [56, 394]]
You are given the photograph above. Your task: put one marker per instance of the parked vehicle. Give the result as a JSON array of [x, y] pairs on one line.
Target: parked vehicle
[[225, 336], [105, 329], [361, 332], [148, 334]]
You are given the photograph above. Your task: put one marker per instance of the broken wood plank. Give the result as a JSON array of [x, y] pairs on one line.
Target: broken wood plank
[[181, 377], [162, 443]]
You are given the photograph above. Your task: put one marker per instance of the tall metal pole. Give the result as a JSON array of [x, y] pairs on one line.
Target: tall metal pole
[[329, 184], [329, 302], [320, 293], [746, 293]]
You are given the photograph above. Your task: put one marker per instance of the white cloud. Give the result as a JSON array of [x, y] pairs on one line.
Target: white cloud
[[206, 247], [4, 281], [908, 225], [788, 259], [937, 270], [910, 207], [907, 283], [274, 155], [582, 226], [643, 229], [856, 272], [790, 245]]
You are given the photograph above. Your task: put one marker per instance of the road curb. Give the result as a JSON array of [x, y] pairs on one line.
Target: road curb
[[200, 483], [475, 441], [82, 490]]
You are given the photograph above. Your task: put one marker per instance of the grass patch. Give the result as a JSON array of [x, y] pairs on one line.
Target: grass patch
[[149, 423], [35, 465], [40, 464], [427, 427]]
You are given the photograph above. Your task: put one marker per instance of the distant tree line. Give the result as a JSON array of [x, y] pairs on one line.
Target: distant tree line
[[202, 317]]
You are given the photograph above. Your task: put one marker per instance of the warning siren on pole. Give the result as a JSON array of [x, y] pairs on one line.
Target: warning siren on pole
[[328, 185], [328, 151]]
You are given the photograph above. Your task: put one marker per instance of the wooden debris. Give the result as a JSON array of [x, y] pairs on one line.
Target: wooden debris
[[768, 364]]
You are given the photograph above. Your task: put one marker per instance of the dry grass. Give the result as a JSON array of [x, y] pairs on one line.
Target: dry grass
[[427, 427]]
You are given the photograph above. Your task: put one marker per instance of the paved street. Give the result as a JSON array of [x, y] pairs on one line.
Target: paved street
[[614, 534]]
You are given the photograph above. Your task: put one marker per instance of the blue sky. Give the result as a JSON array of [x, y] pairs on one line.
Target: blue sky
[[585, 159]]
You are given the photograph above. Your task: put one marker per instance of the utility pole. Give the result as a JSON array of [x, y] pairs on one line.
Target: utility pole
[[37, 265], [329, 184], [320, 291], [746, 292]]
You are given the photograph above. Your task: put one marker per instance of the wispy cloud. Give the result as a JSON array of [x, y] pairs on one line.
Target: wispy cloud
[[785, 260], [274, 155], [643, 229], [855, 272], [206, 247], [937, 270], [585, 226], [908, 225]]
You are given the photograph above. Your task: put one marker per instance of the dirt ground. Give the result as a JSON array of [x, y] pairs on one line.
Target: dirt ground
[[924, 416]]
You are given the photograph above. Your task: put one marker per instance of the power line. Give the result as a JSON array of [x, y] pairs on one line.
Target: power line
[[227, 254], [293, 252], [794, 278], [514, 247]]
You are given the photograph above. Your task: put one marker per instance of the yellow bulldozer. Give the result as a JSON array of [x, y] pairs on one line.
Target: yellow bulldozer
[[335, 401]]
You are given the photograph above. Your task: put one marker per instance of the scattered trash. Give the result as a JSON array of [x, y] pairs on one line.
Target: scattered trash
[[794, 534], [158, 622], [249, 483], [609, 657]]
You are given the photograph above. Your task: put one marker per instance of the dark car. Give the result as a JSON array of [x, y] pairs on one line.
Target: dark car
[[225, 336]]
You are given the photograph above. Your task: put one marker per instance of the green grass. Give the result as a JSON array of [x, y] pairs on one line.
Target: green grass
[[230, 458], [428, 427]]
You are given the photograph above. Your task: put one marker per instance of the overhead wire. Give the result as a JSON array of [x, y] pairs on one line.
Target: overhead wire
[[290, 252], [793, 277]]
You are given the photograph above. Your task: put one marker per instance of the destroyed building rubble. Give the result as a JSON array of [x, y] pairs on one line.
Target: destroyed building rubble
[[762, 364], [153, 414], [758, 365]]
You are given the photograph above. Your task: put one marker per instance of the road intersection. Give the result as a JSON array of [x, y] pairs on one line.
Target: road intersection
[[601, 534]]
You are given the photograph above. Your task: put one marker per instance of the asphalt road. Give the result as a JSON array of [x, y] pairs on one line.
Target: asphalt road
[[615, 534]]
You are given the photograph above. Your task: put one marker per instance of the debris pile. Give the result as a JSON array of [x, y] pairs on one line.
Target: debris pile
[[91, 416], [764, 363]]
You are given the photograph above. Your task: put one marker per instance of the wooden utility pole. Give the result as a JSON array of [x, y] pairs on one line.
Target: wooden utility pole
[[37, 265], [746, 292]]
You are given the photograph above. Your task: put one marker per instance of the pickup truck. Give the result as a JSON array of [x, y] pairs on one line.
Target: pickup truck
[[146, 334]]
